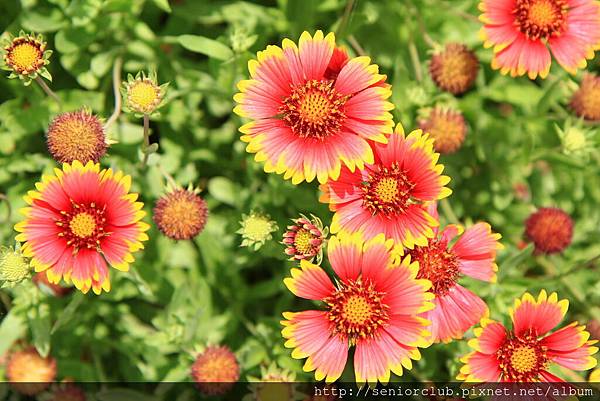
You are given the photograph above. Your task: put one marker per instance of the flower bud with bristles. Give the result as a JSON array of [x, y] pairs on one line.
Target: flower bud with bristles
[[454, 69], [585, 102], [14, 267], [447, 127], [181, 213], [142, 93], [550, 229], [305, 239], [257, 229]]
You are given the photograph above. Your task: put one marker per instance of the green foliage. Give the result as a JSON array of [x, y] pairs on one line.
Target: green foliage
[[181, 296]]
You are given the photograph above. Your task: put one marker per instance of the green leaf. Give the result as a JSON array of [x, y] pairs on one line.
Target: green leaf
[[39, 321], [68, 312], [223, 189], [206, 46], [12, 328], [163, 5]]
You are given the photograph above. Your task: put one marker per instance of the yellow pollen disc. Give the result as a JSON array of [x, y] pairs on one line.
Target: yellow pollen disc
[[315, 108], [524, 359], [387, 189], [257, 228], [143, 94], [25, 56], [83, 225], [302, 241], [542, 13], [357, 309]]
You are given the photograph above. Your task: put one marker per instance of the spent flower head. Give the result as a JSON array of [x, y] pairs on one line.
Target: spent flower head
[[25, 56], [142, 93], [454, 69], [446, 126], [181, 213], [257, 229], [215, 370], [14, 267]]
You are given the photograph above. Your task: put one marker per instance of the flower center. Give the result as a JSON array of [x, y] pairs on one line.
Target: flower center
[[76, 136], [356, 310], [314, 109], [257, 228], [541, 19], [387, 191], [522, 358], [302, 241], [83, 225], [143, 94], [437, 264], [24, 56]]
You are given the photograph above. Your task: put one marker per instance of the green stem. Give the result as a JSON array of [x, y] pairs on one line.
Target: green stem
[[448, 211], [47, 89], [116, 76], [356, 46], [345, 18], [146, 143], [414, 57]]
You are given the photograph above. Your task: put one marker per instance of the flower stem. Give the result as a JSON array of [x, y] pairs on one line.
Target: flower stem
[[47, 89], [414, 57], [146, 143], [356, 46], [448, 211], [345, 18], [116, 76]]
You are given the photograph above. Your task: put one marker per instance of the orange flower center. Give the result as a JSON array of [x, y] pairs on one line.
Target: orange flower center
[[356, 310], [387, 191], [437, 264], [181, 214], [522, 358], [314, 109], [83, 225], [24, 55], [541, 19], [76, 136]]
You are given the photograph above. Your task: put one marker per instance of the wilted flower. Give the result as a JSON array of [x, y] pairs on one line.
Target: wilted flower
[[181, 213], [525, 352], [305, 239], [215, 370], [447, 127], [142, 93], [454, 69], [29, 373], [14, 267], [257, 228], [585, 102], [26, 57], [77, 135], [550, 229]]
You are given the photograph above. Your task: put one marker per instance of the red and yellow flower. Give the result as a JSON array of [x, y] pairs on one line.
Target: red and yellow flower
[[521, 31], [389, 195], [79, 221], [373, 306], [312, 108], [456, 308], [525, 353]]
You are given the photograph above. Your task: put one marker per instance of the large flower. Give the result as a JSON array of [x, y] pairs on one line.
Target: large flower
[[80, 220], [373, 305], [312, 108], [473, 254], [522, 30], [525, 353], [389, 195]]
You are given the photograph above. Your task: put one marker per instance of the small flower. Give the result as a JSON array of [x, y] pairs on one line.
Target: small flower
[[257, 229], [305, 239], [29, 373], [55, 290], [526, 352], [77, 135], [142, 93], [80, 221], [447, 127], [14, 267], [181, 213], [313, 109], [390, 195], [274, 384], [215, 370], [585, 102], [454, 69], [521, 31], [26, 57], [473, 254], [373, 305], [576, 140], [550, 229]]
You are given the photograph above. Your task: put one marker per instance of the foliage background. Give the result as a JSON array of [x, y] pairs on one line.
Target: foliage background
[[184, 295]]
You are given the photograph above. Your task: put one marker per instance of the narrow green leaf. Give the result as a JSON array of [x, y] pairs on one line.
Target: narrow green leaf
[[204, 45]]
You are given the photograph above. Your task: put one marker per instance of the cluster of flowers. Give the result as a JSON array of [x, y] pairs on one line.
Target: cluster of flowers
[[316, 113]]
